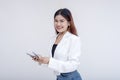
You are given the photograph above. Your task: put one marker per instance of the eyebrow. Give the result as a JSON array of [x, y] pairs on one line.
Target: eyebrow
[[60, 19]]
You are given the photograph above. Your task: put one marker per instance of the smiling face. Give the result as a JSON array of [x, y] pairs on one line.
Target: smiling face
[[61, 24]]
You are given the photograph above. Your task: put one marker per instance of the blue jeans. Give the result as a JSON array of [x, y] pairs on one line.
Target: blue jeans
[[69, 76]]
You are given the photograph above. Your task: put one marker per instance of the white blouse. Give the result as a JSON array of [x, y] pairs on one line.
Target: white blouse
[[66, 55]]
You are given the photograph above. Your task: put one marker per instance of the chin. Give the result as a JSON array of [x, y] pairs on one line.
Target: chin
[[60, 31]]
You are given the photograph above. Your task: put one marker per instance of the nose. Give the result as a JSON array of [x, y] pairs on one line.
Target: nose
[[58, 23]]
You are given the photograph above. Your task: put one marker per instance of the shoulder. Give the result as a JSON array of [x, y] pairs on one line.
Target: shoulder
[[74, 40], [73, 37]]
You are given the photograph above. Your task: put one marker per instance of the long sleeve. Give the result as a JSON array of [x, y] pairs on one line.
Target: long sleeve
[[73, 59]]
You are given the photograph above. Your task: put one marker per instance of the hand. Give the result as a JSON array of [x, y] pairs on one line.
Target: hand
[[41, 60], [44, 60]]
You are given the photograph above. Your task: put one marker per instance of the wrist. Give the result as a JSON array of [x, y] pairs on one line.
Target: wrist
[[48, 60]]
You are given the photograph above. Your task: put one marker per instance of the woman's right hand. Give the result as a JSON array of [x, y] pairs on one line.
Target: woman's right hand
[[41, 60], [36, 58]]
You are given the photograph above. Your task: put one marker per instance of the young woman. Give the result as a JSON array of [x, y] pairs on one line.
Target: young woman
[[66, 48]]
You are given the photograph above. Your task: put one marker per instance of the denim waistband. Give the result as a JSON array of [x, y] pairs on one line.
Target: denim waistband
[[69, 73], [69, 76]]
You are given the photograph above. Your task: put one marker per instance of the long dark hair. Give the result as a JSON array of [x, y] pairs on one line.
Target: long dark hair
[[68, 16]]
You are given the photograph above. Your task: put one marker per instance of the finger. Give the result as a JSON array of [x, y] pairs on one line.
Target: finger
[[35, 59]]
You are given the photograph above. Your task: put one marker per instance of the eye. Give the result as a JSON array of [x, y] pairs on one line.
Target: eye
[[55, 21], [61, 20]]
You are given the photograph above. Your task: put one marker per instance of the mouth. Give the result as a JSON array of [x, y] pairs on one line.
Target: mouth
[[59, 28]]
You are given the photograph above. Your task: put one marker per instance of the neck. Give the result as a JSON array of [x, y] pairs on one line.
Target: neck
[[62, 33]]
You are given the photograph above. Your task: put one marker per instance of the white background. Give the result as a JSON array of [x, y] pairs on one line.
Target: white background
[[27, 25]]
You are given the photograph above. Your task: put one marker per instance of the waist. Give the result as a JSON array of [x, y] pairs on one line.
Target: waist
[[69, 73], [69, 76]]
